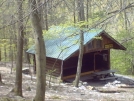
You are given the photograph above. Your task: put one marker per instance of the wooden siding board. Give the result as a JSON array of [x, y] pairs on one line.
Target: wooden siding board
[[51, 65]]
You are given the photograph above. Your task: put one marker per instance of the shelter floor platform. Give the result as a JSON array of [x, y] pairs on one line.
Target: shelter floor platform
[[99, 75], [104, 75]]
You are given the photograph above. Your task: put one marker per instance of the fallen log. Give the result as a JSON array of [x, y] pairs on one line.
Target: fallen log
[[127, 86], [109, 90]]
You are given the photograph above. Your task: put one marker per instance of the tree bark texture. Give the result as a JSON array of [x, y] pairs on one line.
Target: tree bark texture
[[40, 52], [81, 47], [18, 80], [46, 18], [79, 65], [0, 54], [74, 13], [81, 15], [26, 55], [0, 78]]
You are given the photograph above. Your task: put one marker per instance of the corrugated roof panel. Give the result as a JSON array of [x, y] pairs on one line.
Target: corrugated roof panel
[[31, 50], [91, 34], [63, 47]]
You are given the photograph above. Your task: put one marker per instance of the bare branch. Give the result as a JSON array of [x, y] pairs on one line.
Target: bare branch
[[119, 11], [127, 40], [2, 3], [28, 14], [116, 11]]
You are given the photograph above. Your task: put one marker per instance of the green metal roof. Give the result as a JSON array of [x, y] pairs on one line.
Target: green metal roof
[[68, 42]]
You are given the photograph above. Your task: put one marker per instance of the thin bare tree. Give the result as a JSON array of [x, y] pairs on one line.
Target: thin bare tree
[[81, 47], [18, 81]]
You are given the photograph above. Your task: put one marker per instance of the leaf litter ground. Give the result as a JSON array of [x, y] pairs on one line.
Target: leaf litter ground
[[92, 91]]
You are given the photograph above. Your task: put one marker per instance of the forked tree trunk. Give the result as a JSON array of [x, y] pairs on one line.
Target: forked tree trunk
[[40, 53]]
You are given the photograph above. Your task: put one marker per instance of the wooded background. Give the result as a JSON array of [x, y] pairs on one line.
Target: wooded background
[[114, 16]]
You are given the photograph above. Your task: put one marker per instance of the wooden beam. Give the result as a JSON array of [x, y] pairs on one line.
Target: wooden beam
[[82, 74]]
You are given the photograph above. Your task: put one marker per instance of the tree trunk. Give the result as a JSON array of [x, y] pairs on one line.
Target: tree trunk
[[74, 13], [26, 55], [0, 79], [34, 65], [87, 11], [81, 16], [46, 21], [40, 11], [11, 54], [12, 60], [79, 66], [125, 15], [18, 80], [5, 54], [1, 83], [0, 54], [40, 53]]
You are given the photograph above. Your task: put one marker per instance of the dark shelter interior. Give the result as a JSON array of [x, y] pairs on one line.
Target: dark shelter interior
[[97, 60]]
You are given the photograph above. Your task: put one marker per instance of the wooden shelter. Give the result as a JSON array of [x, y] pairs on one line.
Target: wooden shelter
[[62, 52]]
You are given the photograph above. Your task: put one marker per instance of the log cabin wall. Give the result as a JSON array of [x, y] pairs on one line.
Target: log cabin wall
[[54, 66], [104, 43], [70, 66]]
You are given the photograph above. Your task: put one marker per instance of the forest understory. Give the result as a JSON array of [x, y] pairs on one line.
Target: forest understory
[[121, 89]]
